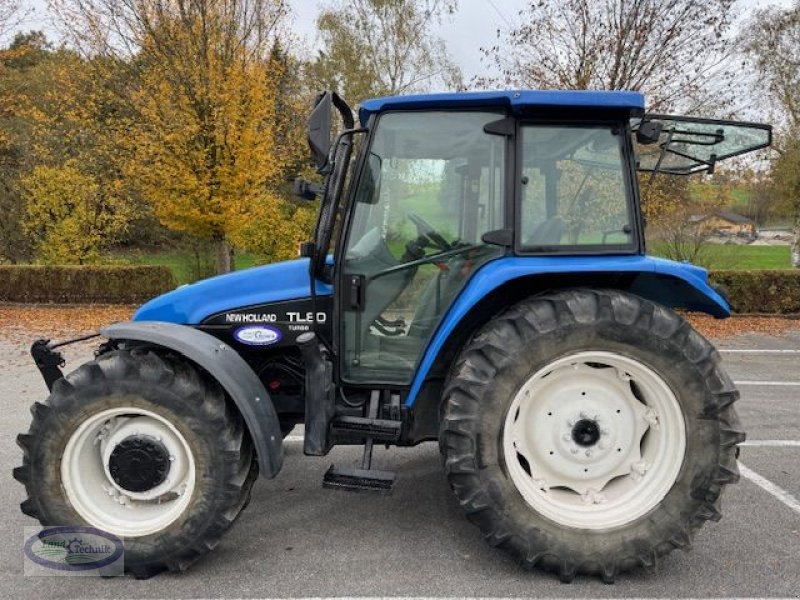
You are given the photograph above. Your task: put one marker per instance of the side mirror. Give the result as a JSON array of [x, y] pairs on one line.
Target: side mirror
[[319, 130], [649, 132]]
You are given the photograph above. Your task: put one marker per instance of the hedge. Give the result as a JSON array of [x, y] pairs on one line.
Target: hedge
[[83, 284], [768, 292]]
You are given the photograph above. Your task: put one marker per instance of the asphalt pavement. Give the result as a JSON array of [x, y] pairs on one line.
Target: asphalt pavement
[[298, 539]]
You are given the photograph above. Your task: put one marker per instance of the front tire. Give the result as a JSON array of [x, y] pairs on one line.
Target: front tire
[[142, 446], [589, 432]]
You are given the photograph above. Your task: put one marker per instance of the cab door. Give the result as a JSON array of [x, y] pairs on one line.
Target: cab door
[[432, 184]]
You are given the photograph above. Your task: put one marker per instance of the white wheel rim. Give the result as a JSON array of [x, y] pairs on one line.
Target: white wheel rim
[[624, 472], [99, 499]]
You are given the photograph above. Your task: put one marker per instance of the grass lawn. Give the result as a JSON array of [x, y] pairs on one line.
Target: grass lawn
[[716, 256]]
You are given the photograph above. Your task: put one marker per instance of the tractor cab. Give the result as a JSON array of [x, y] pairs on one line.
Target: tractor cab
[[429, 189]]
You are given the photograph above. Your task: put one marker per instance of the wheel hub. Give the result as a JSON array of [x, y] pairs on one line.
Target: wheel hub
[[586, 432], [139, 463], [128, 471], [594, 439]]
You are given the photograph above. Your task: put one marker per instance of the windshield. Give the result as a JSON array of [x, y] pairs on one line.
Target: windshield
[[687, 145]]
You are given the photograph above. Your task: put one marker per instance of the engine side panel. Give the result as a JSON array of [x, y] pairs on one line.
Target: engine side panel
[[267, 326]]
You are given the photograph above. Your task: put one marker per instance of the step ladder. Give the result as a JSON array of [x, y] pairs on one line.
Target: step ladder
[[372, 429]]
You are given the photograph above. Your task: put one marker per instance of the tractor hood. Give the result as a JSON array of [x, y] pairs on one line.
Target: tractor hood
[[191, 304]]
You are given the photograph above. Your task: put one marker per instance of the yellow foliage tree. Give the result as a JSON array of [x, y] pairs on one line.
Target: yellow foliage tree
[[68, 216], [201, 130]]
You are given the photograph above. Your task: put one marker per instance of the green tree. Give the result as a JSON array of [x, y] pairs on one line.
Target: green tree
[[383, 47]]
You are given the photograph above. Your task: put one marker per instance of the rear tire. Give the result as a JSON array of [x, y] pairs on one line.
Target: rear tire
[[172, 402], [551, 347]]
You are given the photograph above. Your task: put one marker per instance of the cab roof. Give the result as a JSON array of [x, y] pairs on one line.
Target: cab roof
[[516, 100]]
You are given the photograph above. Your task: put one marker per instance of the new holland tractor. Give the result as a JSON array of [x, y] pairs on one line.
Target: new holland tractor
[[477, 276]]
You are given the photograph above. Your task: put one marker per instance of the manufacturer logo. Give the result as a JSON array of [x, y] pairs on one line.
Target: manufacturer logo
[[258, 335], [75, 548]]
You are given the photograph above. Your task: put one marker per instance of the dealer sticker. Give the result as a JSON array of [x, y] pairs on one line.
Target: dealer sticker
[[258, 335]]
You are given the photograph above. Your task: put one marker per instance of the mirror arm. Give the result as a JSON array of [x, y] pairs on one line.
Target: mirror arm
[[307, 190], [344, 110]]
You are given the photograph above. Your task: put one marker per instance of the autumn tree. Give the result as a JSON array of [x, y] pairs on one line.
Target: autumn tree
[[200, 92], [773, 45], [22, 76], [68, 217], [276, 225], [11, 15], [674, 221], [675, 51], [383, 47], [772, 42]]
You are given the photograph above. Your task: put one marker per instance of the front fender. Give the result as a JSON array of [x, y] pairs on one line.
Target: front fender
[[228, 368], [673, 284]]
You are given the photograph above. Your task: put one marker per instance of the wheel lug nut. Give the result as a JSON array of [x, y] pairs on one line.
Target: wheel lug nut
[[589, 453], [638, 469], [566, 437]]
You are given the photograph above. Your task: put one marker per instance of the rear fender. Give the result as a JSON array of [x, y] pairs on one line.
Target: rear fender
[[225, 365], [672, 284]]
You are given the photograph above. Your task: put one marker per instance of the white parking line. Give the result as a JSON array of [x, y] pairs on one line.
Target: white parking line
[[749, 443], [756, 351], [768, 383], [772, 443], [765, 484], [543, 598]]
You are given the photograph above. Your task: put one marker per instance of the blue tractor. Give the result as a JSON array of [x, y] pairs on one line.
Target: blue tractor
[[477, 276]]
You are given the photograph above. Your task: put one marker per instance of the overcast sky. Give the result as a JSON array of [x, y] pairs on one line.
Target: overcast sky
[[474, 25]]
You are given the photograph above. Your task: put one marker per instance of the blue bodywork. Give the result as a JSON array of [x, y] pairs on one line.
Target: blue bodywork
[[191, 304], [494, 274], [514, 100]]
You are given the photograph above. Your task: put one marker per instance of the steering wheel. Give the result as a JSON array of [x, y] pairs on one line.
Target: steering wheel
[[424, 229]]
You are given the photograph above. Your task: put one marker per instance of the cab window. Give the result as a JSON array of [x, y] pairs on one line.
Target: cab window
[[575, 192]]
